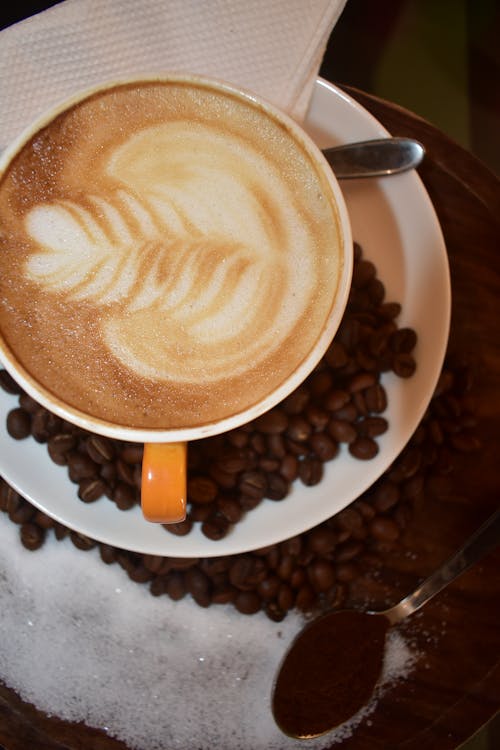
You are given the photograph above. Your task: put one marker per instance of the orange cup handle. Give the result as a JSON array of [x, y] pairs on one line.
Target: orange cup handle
[[163, 494]]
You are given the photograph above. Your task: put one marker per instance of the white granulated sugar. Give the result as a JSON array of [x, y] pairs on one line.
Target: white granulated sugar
[[83, 642]]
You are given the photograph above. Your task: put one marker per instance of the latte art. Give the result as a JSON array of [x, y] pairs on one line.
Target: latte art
[[169, 255], [161, 252]]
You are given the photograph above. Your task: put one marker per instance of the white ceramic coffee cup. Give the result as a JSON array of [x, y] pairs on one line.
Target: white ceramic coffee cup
[[164, 463]]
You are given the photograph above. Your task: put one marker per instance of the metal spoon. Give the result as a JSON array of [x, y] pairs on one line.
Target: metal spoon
[[374, 158], [333, 665]]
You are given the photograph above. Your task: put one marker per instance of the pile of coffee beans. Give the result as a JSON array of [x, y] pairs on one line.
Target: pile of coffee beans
[[315, 569], [342, 402]]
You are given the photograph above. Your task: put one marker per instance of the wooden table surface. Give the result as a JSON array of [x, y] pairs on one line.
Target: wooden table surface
[[455, 687]]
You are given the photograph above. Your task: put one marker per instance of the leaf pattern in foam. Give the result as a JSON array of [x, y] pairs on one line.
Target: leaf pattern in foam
[[90, 251], [186, 275]]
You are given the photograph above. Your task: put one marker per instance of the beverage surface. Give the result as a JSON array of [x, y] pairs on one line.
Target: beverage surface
[[168, 255]]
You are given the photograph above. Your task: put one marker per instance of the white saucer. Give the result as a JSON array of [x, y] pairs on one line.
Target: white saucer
[[395, 223]]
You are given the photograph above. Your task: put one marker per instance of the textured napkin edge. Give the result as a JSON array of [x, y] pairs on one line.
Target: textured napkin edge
[[301, 92]]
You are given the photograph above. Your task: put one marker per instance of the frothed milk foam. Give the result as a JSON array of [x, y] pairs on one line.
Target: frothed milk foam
[[168, 254]]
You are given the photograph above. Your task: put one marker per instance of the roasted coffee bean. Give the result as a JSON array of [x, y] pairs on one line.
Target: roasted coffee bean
[[276, 446], [81, 541], [201, 489], [229, 508], [297, 449], [342, 431], [28, 404], [336, 356], [298, 578], [182, 528], [386, 496], [253, 484], [349, 333], [40, 426], [273, 422], [346, 572], [140, 574], [132, 453], [107, 472], [465, 442], [8, 384], [124, 496], [285, 566], [299, 429], [363, 448], [42, 520], [19, 510], [384, 529], [215, 527], [389, 310], [403, 340], [321, 541], [198, 585], [241, 571], [376, 291], [321, 575], [320, 382], [336, 399], [361, 381], [125, 472], [60, 532], [310, 471], [359, 401], [323, 446], [268, 465], [277, 487], [175, 586], [372, 426], [413, 487], [100, 449], [349, 519], [404, 365], [363, 272], [199, 512], [233, 461], [289, 467], [376, 398], [91, 489], [223, 593], [107, 553], [349, 413], [18, 423], [80, 466], [268, 588], [60, 445], [348, 551], [32, 536], [297, 401], [247, 602], [317, 417], [286, 597], [305, 598]]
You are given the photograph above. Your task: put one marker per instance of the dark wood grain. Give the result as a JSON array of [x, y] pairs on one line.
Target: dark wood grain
[[455, 687]]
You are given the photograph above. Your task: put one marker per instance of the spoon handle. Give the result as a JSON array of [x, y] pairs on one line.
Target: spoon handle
[[484, 540], [374, 158]]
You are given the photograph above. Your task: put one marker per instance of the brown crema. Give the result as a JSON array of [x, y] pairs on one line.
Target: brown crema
[[170, 254]]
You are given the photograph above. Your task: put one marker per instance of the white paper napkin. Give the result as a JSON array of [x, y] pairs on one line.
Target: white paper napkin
[[273, 48]]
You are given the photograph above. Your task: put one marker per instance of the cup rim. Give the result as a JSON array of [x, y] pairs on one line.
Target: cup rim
[[78, 417]]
